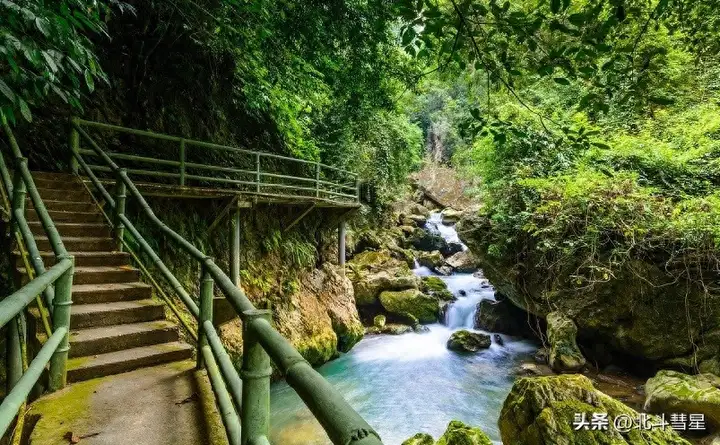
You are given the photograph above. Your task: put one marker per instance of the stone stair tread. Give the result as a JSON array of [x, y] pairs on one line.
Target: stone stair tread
[[94, 269], [103, 332], [71, 224], [82, 288], [81, 368], [70, 239], [97, 308]]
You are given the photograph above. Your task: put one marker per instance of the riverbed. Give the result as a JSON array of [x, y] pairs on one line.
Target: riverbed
[[412, 383]]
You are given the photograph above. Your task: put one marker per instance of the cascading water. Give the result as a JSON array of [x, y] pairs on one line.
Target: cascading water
[[412, 383]]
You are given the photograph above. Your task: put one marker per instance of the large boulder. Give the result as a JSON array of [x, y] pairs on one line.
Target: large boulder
[[466, 341], [634, 311], [457, 433], [424, 308], [503, 317], [463, 262], [549, 410], [427, 242], [373, 272], [451, 216], [436, 287], [565, 356], [675, 392], [390, 329], [433, 259]]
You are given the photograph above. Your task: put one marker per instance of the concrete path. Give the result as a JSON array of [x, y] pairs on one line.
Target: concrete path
[[170, 404]]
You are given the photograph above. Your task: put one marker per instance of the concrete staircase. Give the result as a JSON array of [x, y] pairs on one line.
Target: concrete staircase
[[115, 325]]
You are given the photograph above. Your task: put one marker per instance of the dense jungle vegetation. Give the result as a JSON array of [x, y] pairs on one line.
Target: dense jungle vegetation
[[593, 124]]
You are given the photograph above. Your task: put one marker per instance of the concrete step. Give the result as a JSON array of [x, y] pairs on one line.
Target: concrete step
[[53, 176], [74, 229], [83, 259], [109, 293], [105, 275], [75, 194], [79, 243], [59, 216], [118, 312], [85, 368], [106, 339], [67, 206], [56, 183]]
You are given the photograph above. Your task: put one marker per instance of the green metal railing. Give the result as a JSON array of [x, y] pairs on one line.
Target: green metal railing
[[55, 284], [320, 182], [244, 404]]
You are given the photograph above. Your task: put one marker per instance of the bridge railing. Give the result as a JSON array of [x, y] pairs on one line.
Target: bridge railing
[[55, 284], [250, 172], [244, 403]]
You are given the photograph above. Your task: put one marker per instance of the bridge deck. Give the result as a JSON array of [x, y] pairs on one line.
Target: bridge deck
[[163, 405]]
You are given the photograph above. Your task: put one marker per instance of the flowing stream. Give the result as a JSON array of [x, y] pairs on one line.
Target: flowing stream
[[412, 383]]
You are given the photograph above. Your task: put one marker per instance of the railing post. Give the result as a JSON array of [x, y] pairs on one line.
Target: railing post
[[256, 371], [14, 353], [235, 245], [19, 192], [206, 311], [317, 179], [182, 162], [61, 319], [257, 172], [120, 196], [74, 144], [357, 188], [341, 243]]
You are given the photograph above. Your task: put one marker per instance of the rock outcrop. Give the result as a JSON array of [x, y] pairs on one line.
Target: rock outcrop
[[503, 317], [457, 433], [466, 341], [463, 262], [675, 392], [373, 272], [546, 410], [633, 312], [432, 260], [565, 356], [423, 308], [450, 216]]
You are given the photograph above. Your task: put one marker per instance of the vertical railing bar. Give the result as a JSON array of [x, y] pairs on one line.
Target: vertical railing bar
[[61, 320], [317, 179], [257, 172], [74, 145], [227, 410], [206, 310], [256, 372], [119, 210], [182, 162]]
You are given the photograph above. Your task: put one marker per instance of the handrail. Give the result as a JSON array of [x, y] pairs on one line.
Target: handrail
[[255, 182], [262, 342]]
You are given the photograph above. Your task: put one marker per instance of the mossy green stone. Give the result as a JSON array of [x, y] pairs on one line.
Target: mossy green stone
[[675, 392], [542, 410], [466, 341], [420, 439], [458, 433], [436, 287], [411, 301], [565, 356]]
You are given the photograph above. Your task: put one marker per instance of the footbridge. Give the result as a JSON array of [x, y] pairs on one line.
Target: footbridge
[[95, 335]]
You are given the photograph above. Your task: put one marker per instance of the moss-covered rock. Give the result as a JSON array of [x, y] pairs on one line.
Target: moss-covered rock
[[634, 311], [373, 272], [425, 241], [424, 308], [436, 287], [457, 433], [675, 392], [451, 216], [565, 356], [390, 328], [420, 439], [466, 341], [543, 410], [379, 321], [433, 259]]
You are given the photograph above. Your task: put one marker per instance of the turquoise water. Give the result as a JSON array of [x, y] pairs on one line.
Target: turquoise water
[[407, 384], [412, 383]]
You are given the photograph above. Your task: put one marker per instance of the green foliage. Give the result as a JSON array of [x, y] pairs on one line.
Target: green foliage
[[45, 52]]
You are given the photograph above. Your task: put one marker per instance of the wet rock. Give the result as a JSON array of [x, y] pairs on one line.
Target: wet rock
[[418, 209], [533, 370], [444, 270], [433, 259], [420, 329], [565, 356], [450, 216], [450, 249], [373, 272], [413, 302], [542, 410], [463, 262], [498, 340], [379, 321], [437, 288], [541, 356], [420, 439], [427, 242], [463, 293], [417, 220], [466, 341], [675, 392], [457, 433], [503, 317], [390, 329]]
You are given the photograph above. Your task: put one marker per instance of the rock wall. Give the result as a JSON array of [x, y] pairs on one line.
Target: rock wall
[[642, 312]]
